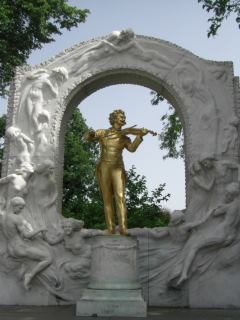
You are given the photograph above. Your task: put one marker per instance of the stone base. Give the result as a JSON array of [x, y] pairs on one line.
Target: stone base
[[112, 303]]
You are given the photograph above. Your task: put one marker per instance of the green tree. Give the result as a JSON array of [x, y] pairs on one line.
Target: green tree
[[81, 197], [144, 208], [171, 137], [26, 25], [221, 10]]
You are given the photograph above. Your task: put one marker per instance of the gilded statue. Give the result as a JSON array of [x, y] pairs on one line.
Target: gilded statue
[[110, 170]]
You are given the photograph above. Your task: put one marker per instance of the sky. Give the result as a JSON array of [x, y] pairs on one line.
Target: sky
[[181, 22]]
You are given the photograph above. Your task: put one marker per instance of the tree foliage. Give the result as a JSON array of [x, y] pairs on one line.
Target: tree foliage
[[26, 25], [221, 10], [144, 208], [171, 137], [81, 197]]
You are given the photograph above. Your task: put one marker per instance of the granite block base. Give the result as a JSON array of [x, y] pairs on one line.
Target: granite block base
[[111, 303]]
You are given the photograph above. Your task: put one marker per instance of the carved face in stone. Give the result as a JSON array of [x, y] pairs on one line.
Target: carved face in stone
[[60, 74], [232, 191], [17, 205], [47, 168], [207, 163], [67, 228], [17, 208], [50, 170]]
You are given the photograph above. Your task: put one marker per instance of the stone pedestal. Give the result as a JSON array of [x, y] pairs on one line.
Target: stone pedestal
[[114, 288]]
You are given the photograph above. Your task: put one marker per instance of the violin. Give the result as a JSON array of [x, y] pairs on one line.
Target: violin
[[134, 131], [137, 131]]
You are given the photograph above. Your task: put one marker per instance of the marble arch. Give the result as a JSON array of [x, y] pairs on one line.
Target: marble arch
[[199, 89], [205, 94]]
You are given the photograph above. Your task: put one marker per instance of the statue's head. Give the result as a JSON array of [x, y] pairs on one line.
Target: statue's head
[[176, 217], [127, 35], [117, 115], [17, 204], [46, 167], [195, 167], [60, 73], [12, 132], [207, 162], [231, 191], [69, 225]]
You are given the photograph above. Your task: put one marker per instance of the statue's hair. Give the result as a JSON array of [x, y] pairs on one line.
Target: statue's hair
[[114, 114], [11, 131], [17, 201], [113, 35], [76, 224]]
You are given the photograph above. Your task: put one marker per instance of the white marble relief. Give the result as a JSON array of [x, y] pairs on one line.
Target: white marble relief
[[15, 184], [22, 147], [53, 253], [230, 136], [118, 42], [39, 88], [219, 229], [18, 232]]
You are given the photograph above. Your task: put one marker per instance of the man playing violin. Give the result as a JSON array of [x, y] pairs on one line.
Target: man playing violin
[[110, 170]]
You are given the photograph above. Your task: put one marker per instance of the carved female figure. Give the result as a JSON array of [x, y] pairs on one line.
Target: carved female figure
[[19, 233], [177, 229], [41, 202], [203, 174], [230, 136], [73, 237], [118, 42], [40, 86], [207, 232], [24, 146], [15, 184]]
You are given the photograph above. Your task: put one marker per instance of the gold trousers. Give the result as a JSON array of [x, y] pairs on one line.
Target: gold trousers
[[111, 179]]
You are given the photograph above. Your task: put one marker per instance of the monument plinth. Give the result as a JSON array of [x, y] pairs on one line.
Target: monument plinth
[[114, 288]]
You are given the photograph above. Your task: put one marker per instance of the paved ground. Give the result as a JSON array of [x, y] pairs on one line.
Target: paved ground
[[68, 313]]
